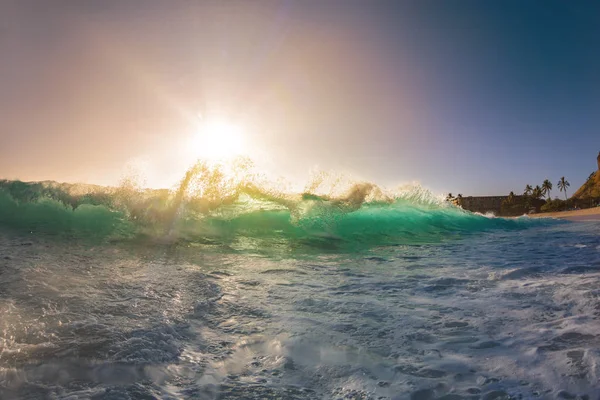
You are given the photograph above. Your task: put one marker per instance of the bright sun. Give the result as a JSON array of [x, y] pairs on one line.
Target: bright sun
[[217, 140]]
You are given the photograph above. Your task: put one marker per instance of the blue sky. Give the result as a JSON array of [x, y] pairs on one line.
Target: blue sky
[[471, 97]]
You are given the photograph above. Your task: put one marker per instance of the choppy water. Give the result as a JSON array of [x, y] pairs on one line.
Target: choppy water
[[400, 298]]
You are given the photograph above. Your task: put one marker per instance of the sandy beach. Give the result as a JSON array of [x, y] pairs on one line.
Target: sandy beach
[[589, 214]]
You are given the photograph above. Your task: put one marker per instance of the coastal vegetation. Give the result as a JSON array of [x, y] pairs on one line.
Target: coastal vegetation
[[563, 184], [453, 199], [547, 188], [536, 199], [532, 198]]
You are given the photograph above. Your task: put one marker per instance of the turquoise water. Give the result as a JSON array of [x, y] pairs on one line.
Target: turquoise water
[[249, 293]]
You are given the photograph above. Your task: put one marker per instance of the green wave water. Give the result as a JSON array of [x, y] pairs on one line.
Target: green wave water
[[248, 216], [49, 215]]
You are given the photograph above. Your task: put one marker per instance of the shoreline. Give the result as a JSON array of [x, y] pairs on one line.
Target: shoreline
[[588, 214]]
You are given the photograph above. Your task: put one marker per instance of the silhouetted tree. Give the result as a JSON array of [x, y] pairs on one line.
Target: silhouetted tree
[[511, 198], [546, 188], [563, 184]]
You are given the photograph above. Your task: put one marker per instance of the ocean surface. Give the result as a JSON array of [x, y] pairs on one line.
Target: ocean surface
[[223, 289]]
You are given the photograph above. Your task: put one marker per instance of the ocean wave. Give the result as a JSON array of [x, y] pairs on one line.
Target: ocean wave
[[226, 203]]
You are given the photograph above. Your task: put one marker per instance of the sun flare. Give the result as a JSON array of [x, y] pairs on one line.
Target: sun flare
[[217, 140]]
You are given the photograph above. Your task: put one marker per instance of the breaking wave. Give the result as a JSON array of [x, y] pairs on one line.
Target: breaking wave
[[233, 204]]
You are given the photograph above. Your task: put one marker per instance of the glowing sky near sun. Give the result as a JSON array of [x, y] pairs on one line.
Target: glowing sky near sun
[[467, 96]]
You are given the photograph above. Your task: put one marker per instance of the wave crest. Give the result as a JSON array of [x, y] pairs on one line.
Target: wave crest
[[232, 203]]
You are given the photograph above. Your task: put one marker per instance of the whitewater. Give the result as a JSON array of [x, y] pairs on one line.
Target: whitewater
[[230, 287]]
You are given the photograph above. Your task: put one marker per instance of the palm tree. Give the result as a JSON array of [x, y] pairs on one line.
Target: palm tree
[[528, 190], [537, 192], [563, 185], [511, 197], [546, 188]]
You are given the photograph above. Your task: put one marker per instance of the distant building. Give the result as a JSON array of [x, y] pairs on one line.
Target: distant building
[[484, 204]]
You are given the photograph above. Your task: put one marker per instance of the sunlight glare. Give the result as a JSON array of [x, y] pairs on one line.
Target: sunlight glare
[[218, 140]]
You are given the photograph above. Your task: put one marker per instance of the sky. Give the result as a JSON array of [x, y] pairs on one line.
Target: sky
[[470, 97]]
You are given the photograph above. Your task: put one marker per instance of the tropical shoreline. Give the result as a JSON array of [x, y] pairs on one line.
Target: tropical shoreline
[[588, 214]]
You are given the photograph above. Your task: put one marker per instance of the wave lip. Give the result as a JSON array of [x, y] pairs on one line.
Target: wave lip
[[210, 204]]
